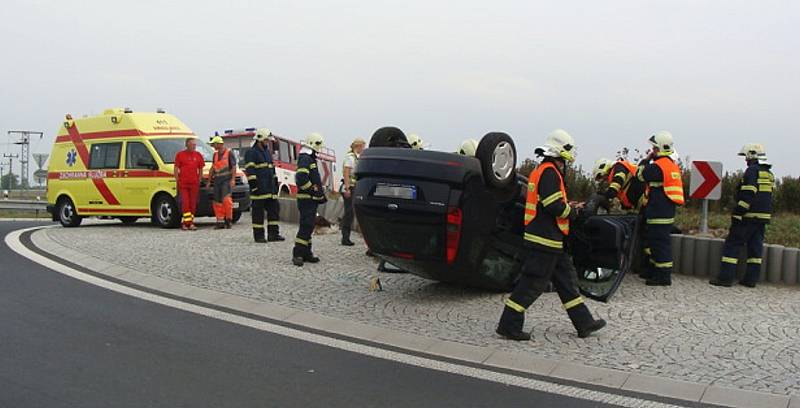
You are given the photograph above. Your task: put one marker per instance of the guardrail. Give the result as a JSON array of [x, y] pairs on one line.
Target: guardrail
[[38, 207]]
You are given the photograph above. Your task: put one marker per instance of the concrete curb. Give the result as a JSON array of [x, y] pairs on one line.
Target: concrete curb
[[701, 256], [484, 356]]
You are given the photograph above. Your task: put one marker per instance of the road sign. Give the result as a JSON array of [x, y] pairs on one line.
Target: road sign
[[706, 180]]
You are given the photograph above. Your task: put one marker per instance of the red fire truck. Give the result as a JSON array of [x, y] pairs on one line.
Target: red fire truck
[[284, 155]]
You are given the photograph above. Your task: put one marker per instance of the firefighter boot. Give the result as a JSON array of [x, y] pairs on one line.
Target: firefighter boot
[[510, 325], [258, 235], [583, 321], [308, 255], [273, 233], [297, 255]]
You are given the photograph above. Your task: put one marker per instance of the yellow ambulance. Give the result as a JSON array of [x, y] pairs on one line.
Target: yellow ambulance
[[120, 165]]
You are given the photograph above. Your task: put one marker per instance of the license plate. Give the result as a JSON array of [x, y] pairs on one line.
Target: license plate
[[396, 191], [235, 205]]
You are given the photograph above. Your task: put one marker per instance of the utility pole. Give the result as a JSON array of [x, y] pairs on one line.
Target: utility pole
[[10, 158], [25, 154]]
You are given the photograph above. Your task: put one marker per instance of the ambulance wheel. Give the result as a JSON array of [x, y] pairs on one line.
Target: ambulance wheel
[[128, 220], [498, 158], [165, 212], [236, 216], [67, 215]]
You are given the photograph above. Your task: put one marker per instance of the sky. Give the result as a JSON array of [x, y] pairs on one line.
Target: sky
[[717, 74]]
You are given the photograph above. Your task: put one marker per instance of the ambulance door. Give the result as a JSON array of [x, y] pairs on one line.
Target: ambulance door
[[139, 176], [102, 194]]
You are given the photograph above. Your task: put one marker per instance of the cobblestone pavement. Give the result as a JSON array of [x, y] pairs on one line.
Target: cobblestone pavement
[[737, 337]]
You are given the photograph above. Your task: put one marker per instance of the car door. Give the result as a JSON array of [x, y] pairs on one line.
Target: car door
[[139, 176], [103, 195]]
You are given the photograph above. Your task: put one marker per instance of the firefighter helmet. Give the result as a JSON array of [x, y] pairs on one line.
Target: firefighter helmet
[[314, 141], [415, 141], [558, 144], [468, 147], [754, 151], [662, 140], [602, 167], [263, 134]]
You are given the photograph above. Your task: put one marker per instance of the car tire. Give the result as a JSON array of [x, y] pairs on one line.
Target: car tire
[[237, 215], [67, 214], [165, 212], [389, 136], [129, 220], [498, 157]]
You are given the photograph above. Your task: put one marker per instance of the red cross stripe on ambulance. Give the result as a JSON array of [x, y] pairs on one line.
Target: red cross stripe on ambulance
[[83, 153]]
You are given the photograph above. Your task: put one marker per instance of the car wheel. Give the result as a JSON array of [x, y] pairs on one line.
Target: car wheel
[[128, 220], [498, 158], [236, 216], [389, 137], [67, 215], [165, 212]]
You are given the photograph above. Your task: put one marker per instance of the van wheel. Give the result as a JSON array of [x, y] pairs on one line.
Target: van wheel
[[67, 215], [498, 158], [165, 212], [128, 220], [236, 216]]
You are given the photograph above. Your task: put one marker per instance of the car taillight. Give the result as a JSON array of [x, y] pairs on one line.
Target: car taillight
[[404, 255], [454, 218]]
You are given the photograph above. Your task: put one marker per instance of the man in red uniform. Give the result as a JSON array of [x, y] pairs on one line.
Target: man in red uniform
[[188, 172]]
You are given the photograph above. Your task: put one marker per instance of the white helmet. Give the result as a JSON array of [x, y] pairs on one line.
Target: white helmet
[[754, 151], [602, 167], [263, 134], [468, 147], [662, 140], [415, 141], [314, 141], [558, 144]]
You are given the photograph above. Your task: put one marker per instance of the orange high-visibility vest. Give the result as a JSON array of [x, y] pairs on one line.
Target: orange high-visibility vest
[[221, 165], [622, 194], [673, 184], [533, 196]]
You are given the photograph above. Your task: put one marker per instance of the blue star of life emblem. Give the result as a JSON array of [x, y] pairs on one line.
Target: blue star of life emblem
[[72, 157]]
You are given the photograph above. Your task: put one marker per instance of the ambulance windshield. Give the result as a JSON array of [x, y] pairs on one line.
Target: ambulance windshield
[[168, 148]]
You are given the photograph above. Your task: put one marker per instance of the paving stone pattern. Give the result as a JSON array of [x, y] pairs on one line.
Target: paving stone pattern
[[737, 337]]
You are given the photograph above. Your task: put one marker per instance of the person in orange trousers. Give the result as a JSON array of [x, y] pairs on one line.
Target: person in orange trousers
[[223, 169]]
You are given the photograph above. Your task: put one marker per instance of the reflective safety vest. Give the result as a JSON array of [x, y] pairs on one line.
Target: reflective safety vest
[[672, 184], [532, 200], [221, 165], [354, 158], [622, 193]]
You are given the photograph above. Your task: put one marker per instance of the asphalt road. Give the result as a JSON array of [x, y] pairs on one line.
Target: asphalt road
[[65, 343]]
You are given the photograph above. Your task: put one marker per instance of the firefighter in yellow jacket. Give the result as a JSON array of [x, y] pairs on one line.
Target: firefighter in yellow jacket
[[547, 218]]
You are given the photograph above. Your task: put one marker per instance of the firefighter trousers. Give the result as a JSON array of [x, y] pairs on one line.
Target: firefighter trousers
[[308, 214], [539, 269], [257, 209], [658, 248], [743, 234]]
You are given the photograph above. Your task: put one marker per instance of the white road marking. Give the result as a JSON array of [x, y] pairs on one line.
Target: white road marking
[[13, 242]]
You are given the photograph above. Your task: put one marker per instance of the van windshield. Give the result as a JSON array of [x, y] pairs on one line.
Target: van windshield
[[168, 148]]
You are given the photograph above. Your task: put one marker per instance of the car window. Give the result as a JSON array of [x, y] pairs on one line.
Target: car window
[[105, 155], [168, 148], [138, 157]]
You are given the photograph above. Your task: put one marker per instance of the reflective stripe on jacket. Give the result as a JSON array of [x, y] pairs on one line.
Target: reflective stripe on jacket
[[547, 210]]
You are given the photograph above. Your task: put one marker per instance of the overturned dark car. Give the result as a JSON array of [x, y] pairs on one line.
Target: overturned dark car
[[459, 219]]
